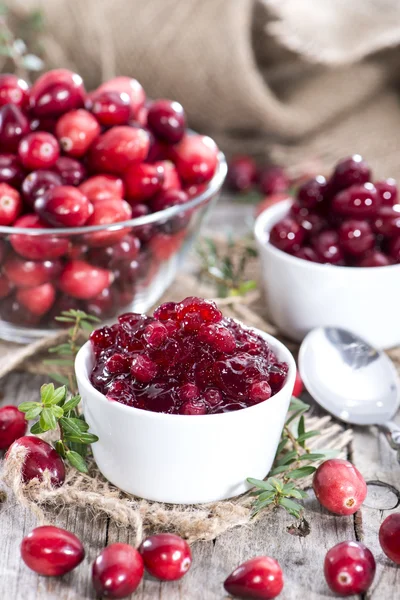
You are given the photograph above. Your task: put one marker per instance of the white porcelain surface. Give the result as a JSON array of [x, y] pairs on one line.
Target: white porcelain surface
[[302, 295], [184, 459]]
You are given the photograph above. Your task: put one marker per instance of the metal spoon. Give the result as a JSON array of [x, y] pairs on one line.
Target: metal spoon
[[352, 380]]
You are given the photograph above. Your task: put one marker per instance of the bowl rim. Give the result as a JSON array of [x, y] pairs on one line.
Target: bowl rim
[[82, 376], [261, 233], [212, 187]]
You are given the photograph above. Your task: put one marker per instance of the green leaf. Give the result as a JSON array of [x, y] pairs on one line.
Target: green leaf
[[58, 411], [287, 458], [36, 429], [74, 425], [58, 396], [59, 448], [25, 406], [59, 378], [46, 392], [61, 349], [301, 428], [259, 506], [312, 456], [77, 461], [81, 449], [278, 485], [47, 419], [297, 404], [292, 507], [61, 362], [33, 412], [278, 470], [266, 496], [87, 326], [71, 403], [296, 493], [282, 445], [73, 432], [265, 485], [307, 435], [302, 472]]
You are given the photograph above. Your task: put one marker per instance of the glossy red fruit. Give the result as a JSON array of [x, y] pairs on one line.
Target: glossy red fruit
[[327, 246], [13, 127], [102, 306], [163, 245], [375, 258], [38, 150], [286, 235], [349, 568], [307, 253], [260, 578], [196, 158], [110, 108], [108, 212], [56, 92], [356, 237], [387, 191], [10, 204], [171, 176], [339, 486], [351, 171], [82, 280], [6, 287], [387, 220], [40, 457], [103, 187], [166, 119], [28, 273], [37, 183], [242, 173], [76, 131], [51, 551], [126, 249], [13, 90], [389, 537], [64, 206], [37, 247], [143, 181], [71, 171], [394, 248], [117, 571], [298, 385], [131, 87], [11, 170], [311, 193], [38, 300], [118, 148], [358, 201], [166, 556], [273, 180], [12, 425]]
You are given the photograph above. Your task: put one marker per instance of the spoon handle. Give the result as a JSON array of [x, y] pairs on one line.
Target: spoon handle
[[392, 433]]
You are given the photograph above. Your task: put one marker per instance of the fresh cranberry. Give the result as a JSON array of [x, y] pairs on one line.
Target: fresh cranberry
[[103, 305], [6, 287], [286, 235], [109, 107], [56, 92], [327, 246], [356, 237], [273, 180], [349, 568], [13, 127], [242, 173], [259, 391], [40, 457], [307, 253], [82, 280], [105, 213], [38, 300], [375, 258], [117, 571], [259, 577], [142, 181], [196, 158], [12, 311], [37, 183], [71, 171], [389, 537], [387, 191], [28, 273], [51, 551], [387, 220], [311, 223], [11, 170], [44, 124], [195, 189], [129, 86], [168, 198], [311, 194], [13, 90], [36, 247], [351, 171], [103, 187], [126, 249], [64, 206], [394, 248], [171, 176], [76, 131], [339, 486], [166, 556], [12, 425], [166, 119], [119, 147], [298, 385], [10, 204], [38, 150], [358, 201]]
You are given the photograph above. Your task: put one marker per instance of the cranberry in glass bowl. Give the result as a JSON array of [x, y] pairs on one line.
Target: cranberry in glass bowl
[[183, 388]]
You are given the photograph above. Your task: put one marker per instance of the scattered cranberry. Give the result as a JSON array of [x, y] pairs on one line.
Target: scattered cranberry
[[82, 280], [339, 486], [56, 92], [40, 457], [103, 187], [13, 127], [389, 537], [287, 234], [37, 183], [110, 107], [70, 170], [273, 180], [76, 131], [351, 171], [117, 571], [356, 237], [166, 119], [64, 206], [166, 556], [12, 425], [142, 181], [38, 300], [13, 90], [118, 148], [242, 173], [298, 385], [349, 568], [51, 551], [47, 247], [10, 204], [11, 170], [259, 577], [38, 150], [196, 158]]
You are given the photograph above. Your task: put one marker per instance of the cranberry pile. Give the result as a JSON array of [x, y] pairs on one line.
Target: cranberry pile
[[186, 359], [346, 220], [70, 159]]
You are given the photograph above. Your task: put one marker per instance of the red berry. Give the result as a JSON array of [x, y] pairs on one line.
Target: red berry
[[143, 369], [259, 391], [13, 127], [127, 249], [389, 537], [273, 180], [394, 248], [242, 173], [76, 131], [166, 119], [38, 300], [70, 170], [218, 337], [307, 253], [38, 150], [118, 148], [13, 90], [64, 206], [326, 244], [351, 171], [387, 191], [40, 457], [311, 194], [103, 187], [375, 258], [286, 235], [10, 204], [259, 577], [298, 385], [84, 281], [339, 486], [387, 220], [6, 287], [102, 306], [11, 170], [108, 212], [51, 551], [357, 201], [109, 107], [196, 158], [171, 177], [12, 425], [356, 237], [28, 273], [117, 571], [131, 87], [56, 92], [142, 181], [37, 183], [349, 568], [166, 556], [36, 247]]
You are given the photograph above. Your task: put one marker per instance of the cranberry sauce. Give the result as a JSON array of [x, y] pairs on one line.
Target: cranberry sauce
[[186, 359]]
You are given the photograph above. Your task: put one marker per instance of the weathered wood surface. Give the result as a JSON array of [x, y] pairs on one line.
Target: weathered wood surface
[[301, 558]]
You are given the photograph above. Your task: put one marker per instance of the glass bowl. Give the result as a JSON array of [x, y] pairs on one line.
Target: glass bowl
[[103, 270]]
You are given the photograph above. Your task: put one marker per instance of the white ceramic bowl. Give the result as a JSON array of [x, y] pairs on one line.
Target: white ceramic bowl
[[184, 459], [302, 295]]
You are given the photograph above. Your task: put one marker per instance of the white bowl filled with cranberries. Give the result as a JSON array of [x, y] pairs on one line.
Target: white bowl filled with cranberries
[[331, 256], [186, 403], [101, 193]]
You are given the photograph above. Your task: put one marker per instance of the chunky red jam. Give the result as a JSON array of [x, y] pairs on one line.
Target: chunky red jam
[[187, 359]]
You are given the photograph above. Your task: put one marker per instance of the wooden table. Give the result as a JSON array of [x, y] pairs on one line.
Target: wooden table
[[301, 558]]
